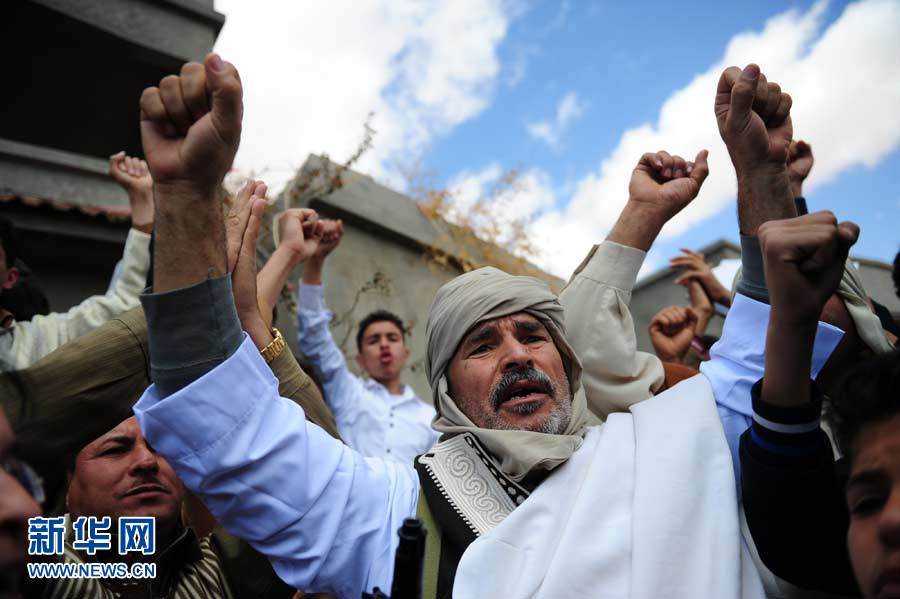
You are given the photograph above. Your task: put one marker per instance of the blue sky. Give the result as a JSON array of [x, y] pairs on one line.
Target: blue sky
[[567, 93]]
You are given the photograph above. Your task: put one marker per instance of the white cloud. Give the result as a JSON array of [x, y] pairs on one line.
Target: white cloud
[[845, 82], [570, 107], [313, 71], [512, 196]]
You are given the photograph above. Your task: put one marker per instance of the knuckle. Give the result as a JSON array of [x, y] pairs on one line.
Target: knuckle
[[169, 82], [191, 67]]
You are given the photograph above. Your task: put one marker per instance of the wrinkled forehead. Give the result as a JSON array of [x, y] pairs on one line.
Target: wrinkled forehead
[[513, 321]]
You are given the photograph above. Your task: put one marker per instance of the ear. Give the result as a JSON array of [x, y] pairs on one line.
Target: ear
[[12, 276], [405, 350]]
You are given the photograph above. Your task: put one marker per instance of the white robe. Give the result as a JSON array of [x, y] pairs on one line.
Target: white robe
[[646, 508]]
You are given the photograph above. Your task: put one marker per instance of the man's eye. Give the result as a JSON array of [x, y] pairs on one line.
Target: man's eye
[[866, 505], [535, 339], [480, 349], [114, 450]]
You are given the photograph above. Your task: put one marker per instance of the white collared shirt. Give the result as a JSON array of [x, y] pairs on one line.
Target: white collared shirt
[[370, 419]]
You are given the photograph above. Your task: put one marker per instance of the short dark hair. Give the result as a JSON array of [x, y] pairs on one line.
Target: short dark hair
[[866, 395], [378, 316], [8, 241], [897, 274]]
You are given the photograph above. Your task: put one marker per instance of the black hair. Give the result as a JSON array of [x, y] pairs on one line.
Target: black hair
[[8, 241], [378, 316], [866, 395], [26, 299]]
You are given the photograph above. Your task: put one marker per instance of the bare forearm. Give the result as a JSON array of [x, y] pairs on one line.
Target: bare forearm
[[273, 277], [638, 226], [764, 195], [141, 210], [789, 345], [312, 271], [703, 318], [190, 240]]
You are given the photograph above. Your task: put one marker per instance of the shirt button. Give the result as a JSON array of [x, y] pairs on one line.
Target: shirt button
[[388, 450], [392, 425]]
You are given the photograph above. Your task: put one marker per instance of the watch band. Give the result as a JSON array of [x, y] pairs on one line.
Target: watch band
[[274, 348]]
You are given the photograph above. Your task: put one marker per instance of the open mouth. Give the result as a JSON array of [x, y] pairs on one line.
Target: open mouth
[[523, 391]]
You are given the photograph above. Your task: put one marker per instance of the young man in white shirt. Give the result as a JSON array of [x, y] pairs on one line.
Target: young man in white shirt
[[378, 416]]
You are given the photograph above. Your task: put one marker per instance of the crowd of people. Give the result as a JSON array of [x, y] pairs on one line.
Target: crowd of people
[[553, 458]]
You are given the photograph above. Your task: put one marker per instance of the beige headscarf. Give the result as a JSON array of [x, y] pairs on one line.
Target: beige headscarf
[[868, 326], [485, 294]]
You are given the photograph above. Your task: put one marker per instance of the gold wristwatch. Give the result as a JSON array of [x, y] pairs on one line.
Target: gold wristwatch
[[274, 348]]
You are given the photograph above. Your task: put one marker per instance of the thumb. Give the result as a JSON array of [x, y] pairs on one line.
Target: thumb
[[223, 84], [848, 233], [690, 315], [742, 95], [701, 168]]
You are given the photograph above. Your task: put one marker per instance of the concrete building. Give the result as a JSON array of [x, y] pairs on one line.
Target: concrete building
[[73, 72]]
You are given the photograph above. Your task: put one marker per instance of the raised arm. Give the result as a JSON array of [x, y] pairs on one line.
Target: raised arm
[[299, 233], [792, 499], [754, 121], [343, 389], [598, 322], [325, 516]]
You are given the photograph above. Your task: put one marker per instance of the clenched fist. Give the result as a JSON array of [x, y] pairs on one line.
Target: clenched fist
[[754, 119], [671, 332], [804, 261], [299, 232], [799, 163], [191, 126], [667, 183]]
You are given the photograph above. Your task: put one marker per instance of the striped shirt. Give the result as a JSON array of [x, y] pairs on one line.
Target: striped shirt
[[187, 569]]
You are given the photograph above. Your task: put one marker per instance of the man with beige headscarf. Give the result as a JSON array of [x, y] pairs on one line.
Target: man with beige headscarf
[[525, 495]]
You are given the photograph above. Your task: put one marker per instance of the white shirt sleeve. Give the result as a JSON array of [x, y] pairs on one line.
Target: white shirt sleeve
[[29, 341], [601, 331], [326, 517], [343, 390], [737, 361]]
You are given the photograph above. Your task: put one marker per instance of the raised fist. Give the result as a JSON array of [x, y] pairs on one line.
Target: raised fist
[[131, 173], [754, 119], [799, 163], [667, 183], [134, 177], [671, 332], [300, 232], [191, 125], [804, 261], [332, 232]]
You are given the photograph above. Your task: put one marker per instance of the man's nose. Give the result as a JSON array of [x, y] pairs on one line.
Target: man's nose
[[144, 460], [889, 521], [515, 355]]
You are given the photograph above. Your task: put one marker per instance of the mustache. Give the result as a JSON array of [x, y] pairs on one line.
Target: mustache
[[501, 388]]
